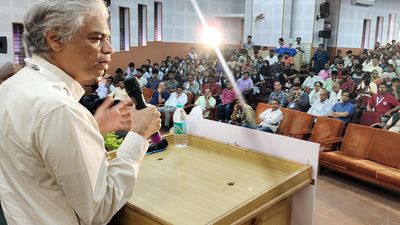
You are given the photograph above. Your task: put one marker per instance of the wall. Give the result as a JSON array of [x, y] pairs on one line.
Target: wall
[[318, 25], [11, 11], [333, 18], [352, 18], [303, 20]]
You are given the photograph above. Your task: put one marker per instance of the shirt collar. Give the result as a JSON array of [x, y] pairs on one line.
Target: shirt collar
[[53, 73]]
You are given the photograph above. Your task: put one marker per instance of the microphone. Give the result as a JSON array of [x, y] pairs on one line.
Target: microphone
[[134, 91], [153, 148]]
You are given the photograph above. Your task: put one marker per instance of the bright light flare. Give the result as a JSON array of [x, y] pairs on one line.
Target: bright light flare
[[211, 37]]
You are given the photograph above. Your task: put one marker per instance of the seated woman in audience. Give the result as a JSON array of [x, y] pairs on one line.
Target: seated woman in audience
[[314, 94], [224, 110], [204, 104], [160, 96], [271, 118]]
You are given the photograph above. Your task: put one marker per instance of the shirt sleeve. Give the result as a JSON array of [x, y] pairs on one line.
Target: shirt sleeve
[[73, 152]]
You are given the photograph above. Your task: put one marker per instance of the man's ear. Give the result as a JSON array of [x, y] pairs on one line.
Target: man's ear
[[53, 40]]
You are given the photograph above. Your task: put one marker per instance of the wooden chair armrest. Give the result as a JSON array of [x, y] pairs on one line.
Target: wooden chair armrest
[[331, 141], [300, 132]]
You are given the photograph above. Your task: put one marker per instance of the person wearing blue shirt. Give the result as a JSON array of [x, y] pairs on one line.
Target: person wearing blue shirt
[[160, 96], [343, 110]]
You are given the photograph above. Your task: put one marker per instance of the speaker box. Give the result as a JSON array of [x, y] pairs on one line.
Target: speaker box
[[325, 34], [324, 10], [3, 45]]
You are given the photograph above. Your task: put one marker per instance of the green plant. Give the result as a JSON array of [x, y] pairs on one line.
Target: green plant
[[111, 141]]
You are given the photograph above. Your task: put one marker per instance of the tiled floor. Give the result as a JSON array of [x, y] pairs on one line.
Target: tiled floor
[[341, 200]]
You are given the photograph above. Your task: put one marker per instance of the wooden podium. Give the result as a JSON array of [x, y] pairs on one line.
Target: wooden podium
[[213, 183]]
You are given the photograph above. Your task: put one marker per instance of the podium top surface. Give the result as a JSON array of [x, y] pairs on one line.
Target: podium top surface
[[212, 183]]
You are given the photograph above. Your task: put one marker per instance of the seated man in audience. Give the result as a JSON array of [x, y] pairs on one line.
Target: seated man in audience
[[105, 87], [347, 84], [224, 110], [213, 86], [311, 79], [243, 115], [299, 99], [160, 96], [394, 89], [153, 81], [204, 104], [389, 74], [325, 73], [321, 107], [343, 110], [278, 94], [336, 94], [383, 102], [171, 84], [393, 124], [169, 108], [191, 85], [139, 76], [329, 82], [119, 93], [271, 118]]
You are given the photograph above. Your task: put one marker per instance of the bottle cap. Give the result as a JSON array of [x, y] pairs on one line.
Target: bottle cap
[[179, 106]]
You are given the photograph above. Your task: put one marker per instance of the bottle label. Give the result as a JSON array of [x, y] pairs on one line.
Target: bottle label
[[180, 128]]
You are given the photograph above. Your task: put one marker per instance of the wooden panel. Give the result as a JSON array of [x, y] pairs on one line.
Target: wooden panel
[[213, 183], [279, 214]]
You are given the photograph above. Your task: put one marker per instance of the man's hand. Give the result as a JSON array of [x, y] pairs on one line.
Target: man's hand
[[146, 121], [7, 70], [113, 118]]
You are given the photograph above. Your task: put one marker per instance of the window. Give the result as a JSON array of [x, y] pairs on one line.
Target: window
[[379, 29], [157, 21], [365, 34], [142, 25], [124, 29], [19, 53], [392, 23]]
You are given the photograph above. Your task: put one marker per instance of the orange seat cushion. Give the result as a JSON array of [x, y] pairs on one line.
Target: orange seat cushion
[[391, 176], [335, 157], [357, 141], [366, 167]]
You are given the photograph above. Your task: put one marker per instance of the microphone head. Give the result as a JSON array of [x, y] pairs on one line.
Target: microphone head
[[132, 86]]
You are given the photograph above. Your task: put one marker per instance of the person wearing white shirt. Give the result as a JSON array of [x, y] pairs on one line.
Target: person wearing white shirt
[[53, 165], [169, 107], [311, 79], [105, 88], [272, 58], [131, 70], [119, 92], [336, 94], [298, 45], [375, 66], [321, 107], [394, 61], [314, 94], [271, 118]]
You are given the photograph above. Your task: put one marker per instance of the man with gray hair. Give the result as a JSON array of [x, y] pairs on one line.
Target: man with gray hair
[[53, 166]]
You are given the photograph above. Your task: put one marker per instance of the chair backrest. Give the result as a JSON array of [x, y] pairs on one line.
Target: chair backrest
[[295, 121], [190, 98], [370, 117], [147, 93], [326, 128], [357, 140], [385, 148]]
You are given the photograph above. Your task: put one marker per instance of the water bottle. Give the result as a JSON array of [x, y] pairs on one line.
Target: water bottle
[[180, 127]]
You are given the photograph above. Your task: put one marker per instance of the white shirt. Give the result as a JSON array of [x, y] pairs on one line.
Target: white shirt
[[119, 94], [174, 100], [53, 167], [271, 119], [272, 60], [335, 97], [320, 108], [103, 91]]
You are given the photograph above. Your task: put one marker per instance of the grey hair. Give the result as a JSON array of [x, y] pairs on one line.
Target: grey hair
[[65, 17]]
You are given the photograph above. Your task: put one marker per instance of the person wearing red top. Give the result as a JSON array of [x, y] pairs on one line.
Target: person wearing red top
[[225, 108], [346, 83], [214, 87], [382, 103]]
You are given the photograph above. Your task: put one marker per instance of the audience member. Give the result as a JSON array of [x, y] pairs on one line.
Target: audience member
[[311, 79], [153, 81], [139, 76], [160, 96], [131, 70], [320, 58], [204, 104], [7, 70], [299, 100], [325, 73], [347, 84], [191, 85], [394, 89], [243, 115], [383, 102], [344, 109], [321, 107], [171, 84], [119, 93], [249, 45], [105, 87], [271, 118], [169, 107], [336, 94], [213, 86], [314, 94], [278, 94], [245, 84], [328, 85]]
